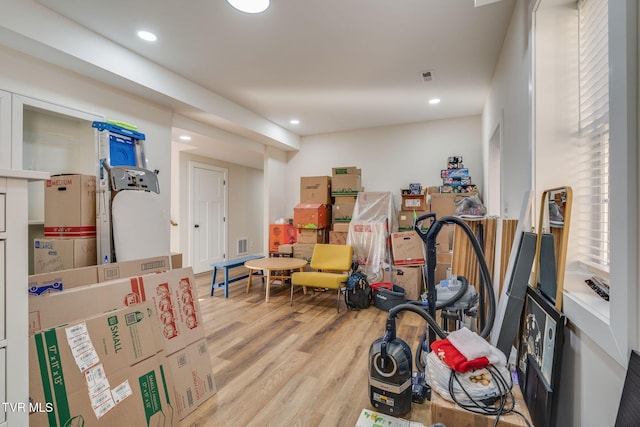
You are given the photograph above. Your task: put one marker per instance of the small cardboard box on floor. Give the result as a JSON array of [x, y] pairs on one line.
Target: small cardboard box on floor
[[104, 370], [408, 277]]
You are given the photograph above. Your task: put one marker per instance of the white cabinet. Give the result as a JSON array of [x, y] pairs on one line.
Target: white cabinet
[[14, 304]]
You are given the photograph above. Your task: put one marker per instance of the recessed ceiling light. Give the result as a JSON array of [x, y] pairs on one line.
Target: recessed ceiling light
[[250, 6], [147, 35], [185, 138], [433, 101], [294, 121]]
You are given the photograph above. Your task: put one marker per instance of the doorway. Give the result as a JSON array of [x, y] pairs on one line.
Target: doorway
[[208, 212]]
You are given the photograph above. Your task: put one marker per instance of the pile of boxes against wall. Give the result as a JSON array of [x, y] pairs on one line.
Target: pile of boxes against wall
[[456, 178], [322, 216], [117, 344], [69, 224]]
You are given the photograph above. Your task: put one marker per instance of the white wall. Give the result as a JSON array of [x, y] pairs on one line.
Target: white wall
[[245, 205], [507, 106], [390, 157]]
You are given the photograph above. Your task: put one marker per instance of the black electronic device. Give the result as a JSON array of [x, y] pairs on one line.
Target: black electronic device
[[390, 364]]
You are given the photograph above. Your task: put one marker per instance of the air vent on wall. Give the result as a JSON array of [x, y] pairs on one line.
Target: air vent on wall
[[427, 76], [243, 245]]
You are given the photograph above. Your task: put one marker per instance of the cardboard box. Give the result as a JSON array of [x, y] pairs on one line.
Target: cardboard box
[[281, 234], [339, 200], [315, 189], [340, 227], [63, 254], [444, 204], [444, 239], [122, 270], [45, 283], [407, 248], [346, 170], [311, 215], [443, 266], [313, 236], [192, 376], [450, 414], [345, 185], [414, 202], [454, 173], [136, 396], [342, 212], [176, 260], [405, 219], [172, 294], [70, 206], [303, 250], [409, 277], [338, 237], [103, 370]]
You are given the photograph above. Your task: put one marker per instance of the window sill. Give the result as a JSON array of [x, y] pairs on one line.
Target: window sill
[[589, 313]]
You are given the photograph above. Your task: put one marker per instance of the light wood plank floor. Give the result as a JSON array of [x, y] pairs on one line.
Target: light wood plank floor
[[277, 365]]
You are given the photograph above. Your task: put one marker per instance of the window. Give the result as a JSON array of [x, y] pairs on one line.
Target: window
[[592, 193]]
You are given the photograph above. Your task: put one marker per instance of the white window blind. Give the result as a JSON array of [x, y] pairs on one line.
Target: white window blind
[[592, 196]]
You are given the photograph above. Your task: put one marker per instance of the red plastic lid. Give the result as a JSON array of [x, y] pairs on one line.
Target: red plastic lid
[[381, 285]]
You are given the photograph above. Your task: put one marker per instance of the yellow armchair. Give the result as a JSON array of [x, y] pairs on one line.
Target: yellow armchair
[[332, 262]]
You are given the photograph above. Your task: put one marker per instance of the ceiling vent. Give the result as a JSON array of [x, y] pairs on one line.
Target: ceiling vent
[[427, 76]]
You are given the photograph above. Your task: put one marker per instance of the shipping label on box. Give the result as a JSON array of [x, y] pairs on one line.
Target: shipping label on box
[[63, 254], [311, 215], [45, 283], [281, 234], [124, 269], [70, 206], [407, 248], [315, 189]]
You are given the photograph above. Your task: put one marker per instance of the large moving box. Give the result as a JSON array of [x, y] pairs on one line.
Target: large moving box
[[70, 206], [120, 270], [63, 254], [315, 189], [169, 299], [103, 370], [172, 294], [407, 248]]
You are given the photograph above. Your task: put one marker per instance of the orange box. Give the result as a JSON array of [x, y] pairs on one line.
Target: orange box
[[311, 215], [281, 234]]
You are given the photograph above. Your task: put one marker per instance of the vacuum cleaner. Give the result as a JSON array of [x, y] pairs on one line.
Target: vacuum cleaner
[[393, 385]]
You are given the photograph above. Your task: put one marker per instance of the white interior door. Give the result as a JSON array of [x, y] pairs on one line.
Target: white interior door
[[208, 215]]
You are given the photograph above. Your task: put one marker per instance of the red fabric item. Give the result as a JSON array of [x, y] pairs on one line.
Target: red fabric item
[[454, 359]]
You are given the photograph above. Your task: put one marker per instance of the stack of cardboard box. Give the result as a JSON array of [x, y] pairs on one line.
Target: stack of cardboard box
[[409, 257], [346, 183], [130, 351], [312, 216], [69, 224], [414, 204], [456, 178]]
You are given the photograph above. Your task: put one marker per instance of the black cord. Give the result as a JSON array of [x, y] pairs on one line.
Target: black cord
[[506, 398]]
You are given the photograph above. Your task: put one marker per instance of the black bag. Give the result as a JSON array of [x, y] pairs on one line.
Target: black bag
[[357, 293]]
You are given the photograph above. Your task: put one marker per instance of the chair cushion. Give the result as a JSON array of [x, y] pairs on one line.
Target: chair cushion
[[319, 279]]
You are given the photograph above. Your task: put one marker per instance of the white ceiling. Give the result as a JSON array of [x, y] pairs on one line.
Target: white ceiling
[[335, 65]]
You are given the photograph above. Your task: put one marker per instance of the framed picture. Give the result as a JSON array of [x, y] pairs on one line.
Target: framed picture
[[540, 356]]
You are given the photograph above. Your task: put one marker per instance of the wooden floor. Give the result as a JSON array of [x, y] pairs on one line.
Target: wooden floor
[[277, 365]]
